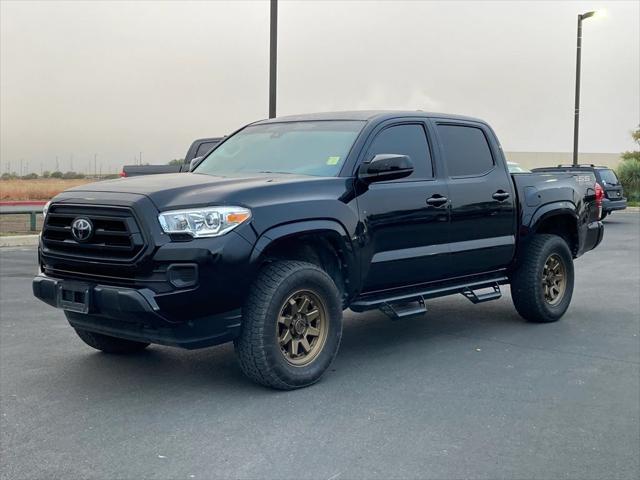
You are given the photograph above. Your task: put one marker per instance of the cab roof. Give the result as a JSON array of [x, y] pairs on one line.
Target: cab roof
[[364, 115]]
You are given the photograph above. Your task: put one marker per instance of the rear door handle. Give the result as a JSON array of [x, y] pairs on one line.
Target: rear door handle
[[501, 195], [437, 201]]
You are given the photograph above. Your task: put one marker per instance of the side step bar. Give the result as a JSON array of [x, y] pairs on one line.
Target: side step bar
[[483, 297], [409, 303], [402, 310]]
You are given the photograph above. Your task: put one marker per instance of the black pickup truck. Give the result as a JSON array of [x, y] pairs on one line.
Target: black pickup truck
[[199, 148], [289, 221]]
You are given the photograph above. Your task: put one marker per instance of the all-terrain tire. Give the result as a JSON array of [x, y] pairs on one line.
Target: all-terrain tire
[[258, 347], [528, 286], [110, 344]]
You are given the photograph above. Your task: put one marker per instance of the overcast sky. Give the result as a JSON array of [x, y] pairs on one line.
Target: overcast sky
[[121, 77]]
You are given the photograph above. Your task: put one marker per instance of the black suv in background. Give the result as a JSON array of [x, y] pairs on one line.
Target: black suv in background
[[614, 198]]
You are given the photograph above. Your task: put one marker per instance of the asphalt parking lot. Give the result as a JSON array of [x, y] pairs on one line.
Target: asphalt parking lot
[[465, 392]]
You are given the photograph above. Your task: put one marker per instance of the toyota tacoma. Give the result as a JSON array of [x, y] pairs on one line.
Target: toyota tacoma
[[289, 221]]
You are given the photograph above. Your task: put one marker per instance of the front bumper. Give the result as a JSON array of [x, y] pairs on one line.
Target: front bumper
[[611, 205], [134, 314]]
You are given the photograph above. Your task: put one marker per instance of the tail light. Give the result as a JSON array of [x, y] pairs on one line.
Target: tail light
[[123, 174], [599, 196]]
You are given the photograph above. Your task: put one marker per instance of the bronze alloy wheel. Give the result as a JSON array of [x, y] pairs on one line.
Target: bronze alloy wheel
[[302, 328], [554, 281]]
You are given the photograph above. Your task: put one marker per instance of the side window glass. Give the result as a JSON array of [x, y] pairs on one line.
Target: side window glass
[[466, 150], [408, 140], [204, 148]]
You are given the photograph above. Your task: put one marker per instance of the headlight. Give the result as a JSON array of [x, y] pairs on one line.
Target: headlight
[[45, 209], [203, 222]]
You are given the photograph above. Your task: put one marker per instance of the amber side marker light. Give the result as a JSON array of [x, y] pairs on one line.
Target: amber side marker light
[[238, 217]]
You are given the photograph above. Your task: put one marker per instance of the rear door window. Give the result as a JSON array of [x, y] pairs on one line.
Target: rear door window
[[608, 177], [407, 139], [466, 150]]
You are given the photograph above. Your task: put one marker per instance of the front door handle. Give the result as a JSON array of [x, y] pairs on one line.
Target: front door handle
[[437, 201], [501, 195]]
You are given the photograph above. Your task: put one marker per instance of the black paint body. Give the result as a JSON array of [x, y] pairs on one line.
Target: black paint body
[[390, 235]]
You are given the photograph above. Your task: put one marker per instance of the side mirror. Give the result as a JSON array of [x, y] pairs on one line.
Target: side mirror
[[194, 163], [385, 166]]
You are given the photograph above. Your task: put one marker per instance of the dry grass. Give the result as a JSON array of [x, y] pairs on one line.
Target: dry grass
[[40, 189], [18, 224]]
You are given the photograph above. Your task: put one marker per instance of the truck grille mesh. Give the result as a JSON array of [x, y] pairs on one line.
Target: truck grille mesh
[[115, 235]]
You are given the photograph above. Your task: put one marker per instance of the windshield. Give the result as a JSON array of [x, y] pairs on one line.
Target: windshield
[[307, 148], [608, 177]]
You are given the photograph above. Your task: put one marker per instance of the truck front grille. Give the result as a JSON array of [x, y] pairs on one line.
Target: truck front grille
[[115, 233]]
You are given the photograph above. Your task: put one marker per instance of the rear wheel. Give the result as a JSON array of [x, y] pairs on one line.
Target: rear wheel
[[110, 344], [604, 215], [291, 325], [542, 285]]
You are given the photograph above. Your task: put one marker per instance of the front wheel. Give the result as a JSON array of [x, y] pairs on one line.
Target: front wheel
[[291, 325], [542, 285]]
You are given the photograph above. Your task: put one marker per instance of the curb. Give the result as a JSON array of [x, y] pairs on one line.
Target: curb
[[19, 241]]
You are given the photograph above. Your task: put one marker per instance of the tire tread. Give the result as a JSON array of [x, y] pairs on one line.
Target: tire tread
[[529, 305], [250, 346]]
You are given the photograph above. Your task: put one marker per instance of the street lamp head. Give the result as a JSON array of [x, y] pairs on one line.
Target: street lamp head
[[601, 13], [594, 13]]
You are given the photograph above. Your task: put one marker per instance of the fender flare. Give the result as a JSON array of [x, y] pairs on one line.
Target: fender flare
[[550, 210], [305, 226], [313, 226]]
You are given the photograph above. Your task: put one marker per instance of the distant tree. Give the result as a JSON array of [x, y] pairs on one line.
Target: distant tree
[[57, 174], [30, 176], [629, 170], [7, 176], [176, 161], [46, 174], [72, 175], [634, 155]]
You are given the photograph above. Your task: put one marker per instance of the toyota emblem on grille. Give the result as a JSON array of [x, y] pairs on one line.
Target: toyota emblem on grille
[[81, 229]]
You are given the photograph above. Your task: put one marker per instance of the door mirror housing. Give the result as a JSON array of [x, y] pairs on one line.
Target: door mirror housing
[[385, 166], [194, 163]]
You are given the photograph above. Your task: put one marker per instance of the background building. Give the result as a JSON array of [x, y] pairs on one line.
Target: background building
[[547, 159]]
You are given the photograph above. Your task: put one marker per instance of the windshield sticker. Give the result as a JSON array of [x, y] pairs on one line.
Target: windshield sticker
[[333, 160]]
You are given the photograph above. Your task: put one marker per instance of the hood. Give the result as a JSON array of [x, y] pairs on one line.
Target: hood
[[179, 190]]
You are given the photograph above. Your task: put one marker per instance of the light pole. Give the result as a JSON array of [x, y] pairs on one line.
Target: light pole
[[576, 112], [273, 57]]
